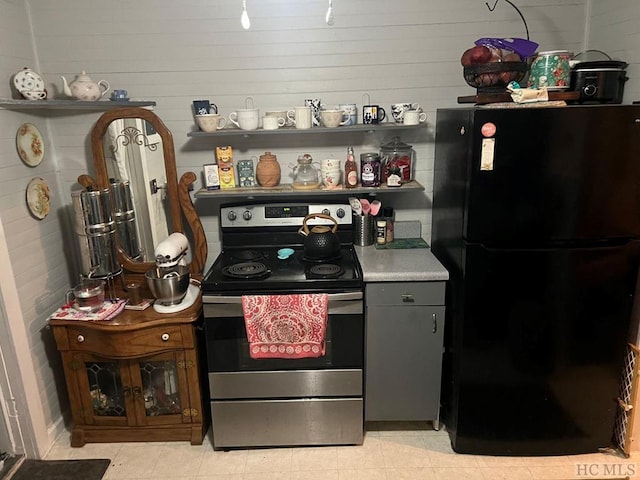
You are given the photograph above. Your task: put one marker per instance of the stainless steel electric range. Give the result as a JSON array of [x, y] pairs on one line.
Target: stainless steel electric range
[[283, 402]]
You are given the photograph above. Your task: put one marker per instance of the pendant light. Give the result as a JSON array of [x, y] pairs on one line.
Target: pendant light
[[329, 16], [244, 18]]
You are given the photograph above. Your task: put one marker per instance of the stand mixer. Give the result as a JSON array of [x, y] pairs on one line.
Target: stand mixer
[[170, 266]]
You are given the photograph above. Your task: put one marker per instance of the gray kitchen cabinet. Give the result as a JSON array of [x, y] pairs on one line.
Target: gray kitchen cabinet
[[404, 341]]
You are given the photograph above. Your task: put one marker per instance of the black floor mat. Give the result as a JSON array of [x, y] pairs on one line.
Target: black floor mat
[[62, 469]]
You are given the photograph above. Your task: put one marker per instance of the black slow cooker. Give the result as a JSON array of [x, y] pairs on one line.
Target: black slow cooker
[[599, 81]]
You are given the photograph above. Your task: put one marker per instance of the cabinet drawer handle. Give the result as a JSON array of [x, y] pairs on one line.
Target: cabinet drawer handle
[[435, 322], [165, 337], [408, 298], [80, 338]]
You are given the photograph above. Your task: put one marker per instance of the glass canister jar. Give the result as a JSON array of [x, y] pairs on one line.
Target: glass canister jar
[[397, 154]]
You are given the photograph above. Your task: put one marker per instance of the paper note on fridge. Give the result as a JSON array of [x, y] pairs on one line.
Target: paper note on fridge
[[486, 153]]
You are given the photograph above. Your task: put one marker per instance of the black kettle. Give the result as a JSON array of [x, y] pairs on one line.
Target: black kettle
[[321, 242]]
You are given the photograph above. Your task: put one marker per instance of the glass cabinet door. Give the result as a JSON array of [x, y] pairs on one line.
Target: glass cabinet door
[[160, 387], [105, 388]]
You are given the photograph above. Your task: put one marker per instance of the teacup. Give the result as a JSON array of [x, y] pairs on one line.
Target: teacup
[[88, 295], [414, 117], [300, 117], [330, 178], [330, 163], [398, 110], [34, 94], [210, 122], [333, 118], [119, 94], [245, 118], [277, 113], [272, 123]]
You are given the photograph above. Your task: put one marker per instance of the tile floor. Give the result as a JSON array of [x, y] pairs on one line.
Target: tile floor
[[389, 452]]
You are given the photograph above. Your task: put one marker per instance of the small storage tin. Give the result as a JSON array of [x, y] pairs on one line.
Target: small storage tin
[[551, 70]]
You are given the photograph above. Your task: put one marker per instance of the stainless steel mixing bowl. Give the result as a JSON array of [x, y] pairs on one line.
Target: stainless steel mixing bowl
[[168, 285]]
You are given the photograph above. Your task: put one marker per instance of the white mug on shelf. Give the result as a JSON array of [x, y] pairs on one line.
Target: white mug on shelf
[[300, 116], [414, 117], [245, 118], [272, 123]]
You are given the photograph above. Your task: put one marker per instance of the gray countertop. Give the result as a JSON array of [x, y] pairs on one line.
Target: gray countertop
[[400, 265]]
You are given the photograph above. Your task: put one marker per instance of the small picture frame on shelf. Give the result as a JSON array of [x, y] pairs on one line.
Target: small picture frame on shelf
[[246, 173]]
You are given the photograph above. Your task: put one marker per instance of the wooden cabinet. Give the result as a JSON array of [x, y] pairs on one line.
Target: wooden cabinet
[[134, 378], [404, 340]]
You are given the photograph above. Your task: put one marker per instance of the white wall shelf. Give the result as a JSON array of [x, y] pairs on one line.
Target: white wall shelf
[[13, 104], [286, 189], [381, 127]]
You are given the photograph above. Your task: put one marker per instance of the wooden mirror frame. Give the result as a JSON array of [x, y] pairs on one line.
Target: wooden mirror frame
[[177, 193]]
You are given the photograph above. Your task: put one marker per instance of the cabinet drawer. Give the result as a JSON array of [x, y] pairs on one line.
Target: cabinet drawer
[[125, 344], [405, 293]]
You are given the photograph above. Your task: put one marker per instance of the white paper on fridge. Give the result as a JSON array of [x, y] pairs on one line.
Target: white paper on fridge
[[487, 153]]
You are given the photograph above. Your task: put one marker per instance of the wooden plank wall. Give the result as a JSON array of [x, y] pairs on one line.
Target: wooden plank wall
[[174, 52]]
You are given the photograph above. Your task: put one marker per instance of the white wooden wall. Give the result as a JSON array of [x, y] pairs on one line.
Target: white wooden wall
[[614, 27], [176, 51]]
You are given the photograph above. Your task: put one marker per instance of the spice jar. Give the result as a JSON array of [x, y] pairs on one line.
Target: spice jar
[[397, 154]]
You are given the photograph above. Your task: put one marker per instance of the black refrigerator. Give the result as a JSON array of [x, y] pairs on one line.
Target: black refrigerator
[[536, 215]]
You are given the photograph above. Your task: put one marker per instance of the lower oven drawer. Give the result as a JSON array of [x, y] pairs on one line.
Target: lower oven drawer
[[261, 423], [287, 383]]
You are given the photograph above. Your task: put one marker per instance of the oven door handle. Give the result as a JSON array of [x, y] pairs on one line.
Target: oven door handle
[[333, 297]]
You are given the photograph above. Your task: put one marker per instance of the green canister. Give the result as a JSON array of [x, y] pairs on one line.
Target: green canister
[[551, 70]]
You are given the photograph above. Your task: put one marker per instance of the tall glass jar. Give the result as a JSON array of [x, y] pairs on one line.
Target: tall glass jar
[[397, 154]]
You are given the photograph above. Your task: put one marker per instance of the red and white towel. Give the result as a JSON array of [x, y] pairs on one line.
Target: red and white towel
[[286, 326]]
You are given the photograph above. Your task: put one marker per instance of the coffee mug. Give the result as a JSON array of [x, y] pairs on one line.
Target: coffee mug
[[414, 117], [34, 94], [245, 118], [272, 123], [315, 105], [88, 295], [333, 118], [300, 117], [204, 107], [119, 94], [398, 110], [210, 122], [351, 110], [372, 114]]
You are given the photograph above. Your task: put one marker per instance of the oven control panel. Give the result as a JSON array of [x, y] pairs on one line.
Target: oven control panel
[[283, 214]]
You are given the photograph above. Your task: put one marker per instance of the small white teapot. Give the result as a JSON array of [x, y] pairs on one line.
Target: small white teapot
[[83, 88]]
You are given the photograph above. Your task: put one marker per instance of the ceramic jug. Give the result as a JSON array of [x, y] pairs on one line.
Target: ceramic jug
[[83, 88], [268, 170]]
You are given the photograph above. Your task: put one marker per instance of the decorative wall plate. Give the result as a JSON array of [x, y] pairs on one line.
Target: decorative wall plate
[[38, 199], [27, 79], [30, 144]]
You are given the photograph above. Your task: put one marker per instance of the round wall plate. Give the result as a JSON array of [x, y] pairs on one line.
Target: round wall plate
[[30, 144], [38, 198]]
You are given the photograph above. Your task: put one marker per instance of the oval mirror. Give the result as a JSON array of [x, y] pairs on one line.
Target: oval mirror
[[134, 156]]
